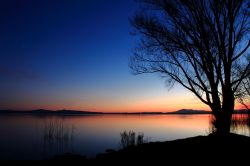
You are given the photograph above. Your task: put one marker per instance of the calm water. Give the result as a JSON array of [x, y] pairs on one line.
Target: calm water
[[34, 137]]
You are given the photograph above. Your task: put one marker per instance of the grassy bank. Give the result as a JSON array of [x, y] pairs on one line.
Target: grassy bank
[[195, 150]]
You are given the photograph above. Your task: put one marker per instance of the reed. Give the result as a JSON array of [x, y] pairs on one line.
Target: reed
[[130, 138]]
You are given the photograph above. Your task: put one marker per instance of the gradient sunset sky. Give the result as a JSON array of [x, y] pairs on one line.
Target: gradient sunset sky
[[58, 54]]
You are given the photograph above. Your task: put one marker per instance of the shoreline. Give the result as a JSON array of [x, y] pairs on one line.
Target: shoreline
[[192, 150], [198, 147]]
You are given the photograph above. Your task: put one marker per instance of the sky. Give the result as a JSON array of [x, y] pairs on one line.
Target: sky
[[73, 54]]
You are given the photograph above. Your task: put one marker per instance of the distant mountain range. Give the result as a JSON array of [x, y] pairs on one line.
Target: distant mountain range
[[75, 112], [190, 111], [49, 112]]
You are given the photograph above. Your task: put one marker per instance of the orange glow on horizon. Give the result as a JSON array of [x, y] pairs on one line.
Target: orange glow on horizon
[[157, 104]]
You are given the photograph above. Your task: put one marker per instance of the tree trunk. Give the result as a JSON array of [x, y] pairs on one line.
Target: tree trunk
[[222, 121]]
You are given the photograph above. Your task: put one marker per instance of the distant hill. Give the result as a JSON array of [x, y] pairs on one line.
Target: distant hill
[[49, 112], [75, 112], [241, 111], [190, 111]]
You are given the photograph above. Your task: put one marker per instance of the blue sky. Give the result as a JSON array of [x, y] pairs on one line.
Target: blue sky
[[58, 54]]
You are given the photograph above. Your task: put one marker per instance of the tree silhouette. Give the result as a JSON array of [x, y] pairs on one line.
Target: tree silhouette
[[244, 97], [200, 44]]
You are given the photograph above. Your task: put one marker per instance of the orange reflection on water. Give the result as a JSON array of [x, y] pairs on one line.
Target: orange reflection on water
[[92, 134], [150, 125]]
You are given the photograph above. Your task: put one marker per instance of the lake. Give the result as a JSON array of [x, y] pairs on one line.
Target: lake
[[41, 137]]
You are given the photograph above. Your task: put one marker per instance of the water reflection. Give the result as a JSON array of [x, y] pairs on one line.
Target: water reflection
[[39, 137], [57, 137], [240, 124]]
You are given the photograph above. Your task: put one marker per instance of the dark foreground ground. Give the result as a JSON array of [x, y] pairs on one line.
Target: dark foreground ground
[[201, 150]]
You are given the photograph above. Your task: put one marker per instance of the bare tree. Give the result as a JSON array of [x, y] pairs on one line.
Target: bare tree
[[244, 92], [244, 97], [200, 44]]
